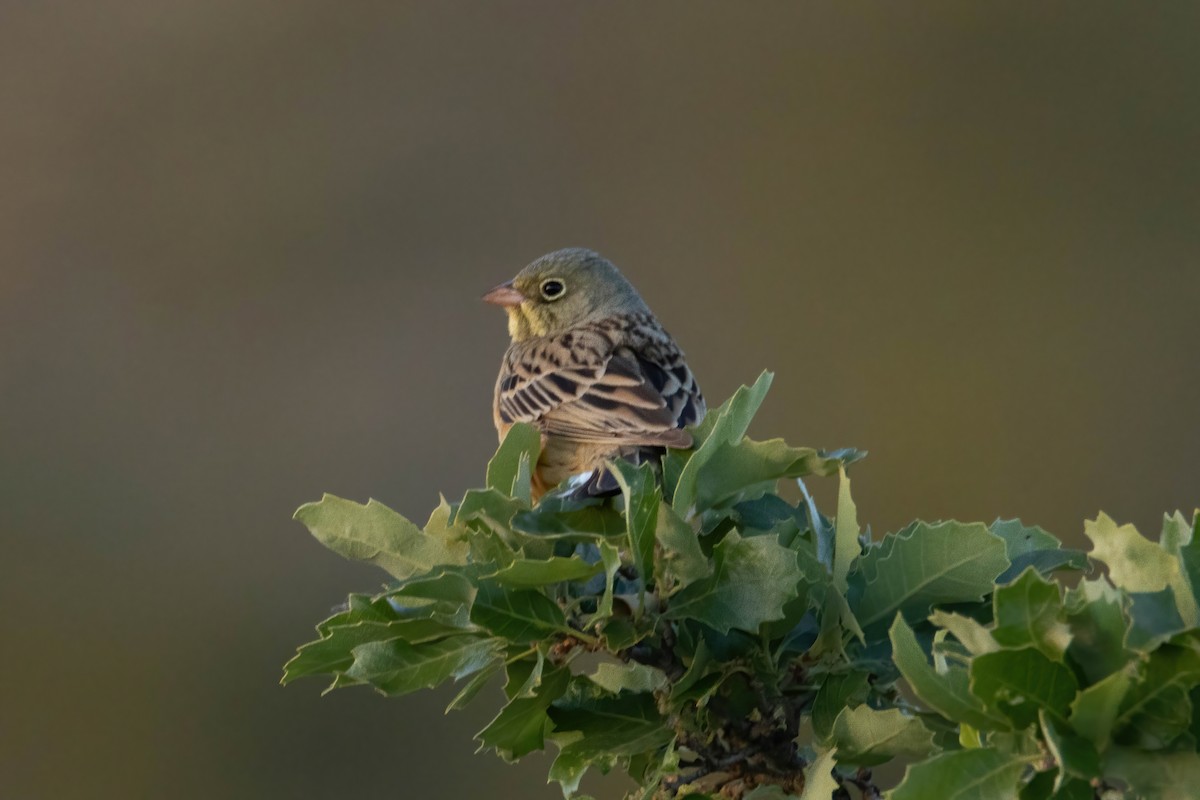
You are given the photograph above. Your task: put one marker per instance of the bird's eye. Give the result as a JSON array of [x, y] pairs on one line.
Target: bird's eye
[[552, 289]]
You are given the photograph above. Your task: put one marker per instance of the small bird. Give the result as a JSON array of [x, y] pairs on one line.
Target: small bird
[[591, 367]]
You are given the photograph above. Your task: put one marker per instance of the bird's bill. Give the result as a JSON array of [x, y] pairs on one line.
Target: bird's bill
[[505, 295]]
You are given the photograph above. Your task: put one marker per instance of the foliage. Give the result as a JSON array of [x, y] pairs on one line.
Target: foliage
[[710, 638]]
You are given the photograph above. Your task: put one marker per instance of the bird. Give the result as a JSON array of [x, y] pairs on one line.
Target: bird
[[591, 367]]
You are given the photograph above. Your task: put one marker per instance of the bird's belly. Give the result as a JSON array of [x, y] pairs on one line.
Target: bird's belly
[[562, 458]]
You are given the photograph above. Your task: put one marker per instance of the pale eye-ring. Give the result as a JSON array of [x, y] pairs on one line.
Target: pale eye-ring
[[553, 289]]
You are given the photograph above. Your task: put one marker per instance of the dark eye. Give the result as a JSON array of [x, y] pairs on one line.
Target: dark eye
[[552, 289]]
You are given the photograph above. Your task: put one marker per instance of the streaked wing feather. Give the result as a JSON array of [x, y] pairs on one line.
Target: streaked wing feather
[[582, 388]]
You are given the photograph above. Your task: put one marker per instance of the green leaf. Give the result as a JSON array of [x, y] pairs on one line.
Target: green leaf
[[1076, 757], [681, 561], [1019, 682], [973, 636], [1155, 776], [505, 472], [489, 511], [1183, 542], [610, 557], [1094, 709], [752, 580], [333, 652], [521, 615], [1098, 629], [742, 470], [723, 426], [473, 687], [597, 731], [641, 496], [979, 774], [1029, 611], [1020, 539], [1157, 708], [1137, 565], [948, 562], [375, 533], [1154, 618], [628, 677], [396, 667], [947, 693], [520, 727], [819, 783], [846, 547], [837, 692], [526, 573], [866, 737], [1031, 546]]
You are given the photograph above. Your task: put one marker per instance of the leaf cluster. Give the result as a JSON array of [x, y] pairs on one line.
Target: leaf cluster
[[711, 638]]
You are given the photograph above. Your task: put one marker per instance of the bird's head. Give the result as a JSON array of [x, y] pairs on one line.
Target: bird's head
[[562, 289]]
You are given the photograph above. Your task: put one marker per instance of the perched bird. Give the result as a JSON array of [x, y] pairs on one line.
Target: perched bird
[[592, 368]]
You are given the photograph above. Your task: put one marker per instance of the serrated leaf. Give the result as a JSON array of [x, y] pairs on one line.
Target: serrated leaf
[[1017, 683], [332, 653], [375, 533], [736, 471], [1098, 628], [396, 667], [846, 547], [641, 497], [1045, 562], [524, 573], [1154, 618], [949, 562], [866, 737], [1029, 611], [596, 732], [1157, 708], [1076, 756], [724, 425], [520, 727], [752, 580], [1137, 565], [628, 677], [1031, 546], [680, 561], [518, 615], [473, 687], [838, 624], [1020, 538], [489, 511], [948, 693], [523, 675], [610, 557], [442, 596], [1094, 709], [819, 783], [836, 692], [522, 444], [1156, 776], [969, 632], [978, 774]]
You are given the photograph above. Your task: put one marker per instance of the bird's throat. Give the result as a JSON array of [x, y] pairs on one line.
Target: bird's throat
[[522, 324]]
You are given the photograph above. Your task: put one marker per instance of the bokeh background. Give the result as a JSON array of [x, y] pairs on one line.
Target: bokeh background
[[241, 250]]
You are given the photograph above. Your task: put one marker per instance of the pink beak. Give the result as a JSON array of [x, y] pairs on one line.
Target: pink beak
[[505, 295]]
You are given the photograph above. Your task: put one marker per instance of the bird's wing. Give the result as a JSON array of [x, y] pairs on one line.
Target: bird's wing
[[581, 388]]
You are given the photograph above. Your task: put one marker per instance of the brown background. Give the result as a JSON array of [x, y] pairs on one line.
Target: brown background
[[241, 246]]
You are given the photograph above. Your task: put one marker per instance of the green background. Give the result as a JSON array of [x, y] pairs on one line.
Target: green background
[[241, 250]]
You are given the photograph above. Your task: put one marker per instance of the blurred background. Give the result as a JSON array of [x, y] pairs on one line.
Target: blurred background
[[241, 251]]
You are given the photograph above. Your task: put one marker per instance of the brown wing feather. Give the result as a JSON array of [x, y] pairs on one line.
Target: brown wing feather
[[625, 384]]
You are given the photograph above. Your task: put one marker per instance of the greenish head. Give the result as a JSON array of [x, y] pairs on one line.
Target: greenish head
[[562, 289]]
